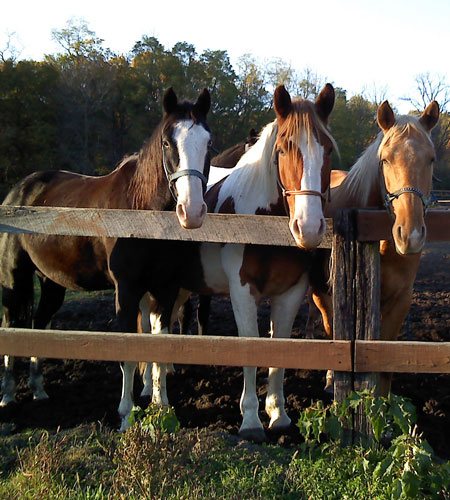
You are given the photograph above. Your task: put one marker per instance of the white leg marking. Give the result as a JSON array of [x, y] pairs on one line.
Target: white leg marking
[[245, 313], [36, 380], [126, 402], [284, 308], [8, 382], [159, 371]]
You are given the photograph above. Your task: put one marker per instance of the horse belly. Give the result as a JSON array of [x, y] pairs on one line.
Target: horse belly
[[214, 277], [76, 263]]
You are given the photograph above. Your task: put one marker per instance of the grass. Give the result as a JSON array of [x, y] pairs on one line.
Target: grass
[[92, 462]]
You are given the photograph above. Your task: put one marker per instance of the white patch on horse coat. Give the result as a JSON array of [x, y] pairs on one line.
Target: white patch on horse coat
[[308, 213], [252, 183], [192, 143]]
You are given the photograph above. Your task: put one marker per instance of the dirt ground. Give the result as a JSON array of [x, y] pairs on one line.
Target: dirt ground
[[82, 391]]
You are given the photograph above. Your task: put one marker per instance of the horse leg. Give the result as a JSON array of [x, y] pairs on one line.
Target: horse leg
[[17, 303], [324, 303], [168, 304], [284, 308], [52, 298], [127, 310], [204, 308], [245, 311]]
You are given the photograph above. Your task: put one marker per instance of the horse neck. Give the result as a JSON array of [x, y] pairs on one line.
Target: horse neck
[[362, 186], [149, 189], [253, 182]]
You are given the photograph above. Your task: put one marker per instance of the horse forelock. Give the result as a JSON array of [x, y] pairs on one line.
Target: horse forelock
[[304, 122], [405, 126]]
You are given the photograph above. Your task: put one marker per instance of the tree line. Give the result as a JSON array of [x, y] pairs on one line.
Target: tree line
[[85, 107]]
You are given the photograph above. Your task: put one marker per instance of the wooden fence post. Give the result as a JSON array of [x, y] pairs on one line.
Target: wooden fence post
[[367, 323], [356, 306], [343, 261]]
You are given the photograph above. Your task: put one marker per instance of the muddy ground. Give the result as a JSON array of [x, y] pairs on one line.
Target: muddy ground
[[82, 391]]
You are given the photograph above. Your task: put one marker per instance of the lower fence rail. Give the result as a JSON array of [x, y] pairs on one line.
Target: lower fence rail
[[341, 355]]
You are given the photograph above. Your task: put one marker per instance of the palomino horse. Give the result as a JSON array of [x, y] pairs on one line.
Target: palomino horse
[[287, 171], [395, 172], [170, 172]]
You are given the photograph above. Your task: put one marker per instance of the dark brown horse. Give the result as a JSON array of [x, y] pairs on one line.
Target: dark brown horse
[[230, 156], [170, 172]]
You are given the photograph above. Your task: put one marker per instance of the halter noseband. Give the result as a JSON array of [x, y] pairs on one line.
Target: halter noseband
[[298, 192], [388, 198], [172, 177]]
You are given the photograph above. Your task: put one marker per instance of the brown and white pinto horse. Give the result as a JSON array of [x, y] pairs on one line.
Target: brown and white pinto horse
[[170, 172], [395, 172], [287, 171]]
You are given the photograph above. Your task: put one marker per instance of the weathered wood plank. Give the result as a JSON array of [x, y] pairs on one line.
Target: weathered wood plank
[[186, 349], [375, 225], [343, 258], [367, 325], [402, 357], [217, 228]]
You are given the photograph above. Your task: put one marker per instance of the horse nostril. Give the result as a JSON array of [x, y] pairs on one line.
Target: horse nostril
[[399, 232], [423, 232], [322, 227], [181, 212], [203, 210]]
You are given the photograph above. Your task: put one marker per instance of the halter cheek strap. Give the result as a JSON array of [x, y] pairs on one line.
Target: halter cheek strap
[[172, 177], [388, 198]]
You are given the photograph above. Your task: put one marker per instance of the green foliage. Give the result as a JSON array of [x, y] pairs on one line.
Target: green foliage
[[85, 107], [408, 464], [155, 420]]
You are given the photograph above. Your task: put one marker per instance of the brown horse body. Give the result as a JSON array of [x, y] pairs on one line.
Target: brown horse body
[[167, 174]]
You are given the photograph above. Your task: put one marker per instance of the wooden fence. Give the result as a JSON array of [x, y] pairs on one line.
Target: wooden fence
[[356, 353]]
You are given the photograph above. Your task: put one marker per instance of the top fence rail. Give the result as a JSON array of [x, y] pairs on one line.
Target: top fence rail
[[372, 225]]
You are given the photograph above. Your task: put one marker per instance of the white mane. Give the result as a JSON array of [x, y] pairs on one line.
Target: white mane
[[253, 183]]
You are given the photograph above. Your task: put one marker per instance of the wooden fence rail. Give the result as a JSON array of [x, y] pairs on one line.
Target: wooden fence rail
[[356, 353]]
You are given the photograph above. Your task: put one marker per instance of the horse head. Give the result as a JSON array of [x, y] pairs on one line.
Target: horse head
[[185, 141], [303, 148], [406, 155]]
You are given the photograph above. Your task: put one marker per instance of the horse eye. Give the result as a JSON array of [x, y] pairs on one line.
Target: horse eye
[[210, 143], [166, 144]]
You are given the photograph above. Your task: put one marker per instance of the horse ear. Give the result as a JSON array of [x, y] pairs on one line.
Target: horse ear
[[385, 116], [282, 102], [203, 103], [325, 102], [170, 101], [430, 116]]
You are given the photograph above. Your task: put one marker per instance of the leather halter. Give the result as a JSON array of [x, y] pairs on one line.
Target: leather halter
[[298, 192], [172, 177], [388, 198]]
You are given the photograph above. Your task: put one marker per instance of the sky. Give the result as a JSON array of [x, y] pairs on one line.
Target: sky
[[373, 46]]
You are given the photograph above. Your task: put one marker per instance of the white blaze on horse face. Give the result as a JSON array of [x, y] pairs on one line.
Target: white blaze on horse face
[[308, 223], [192, 143]]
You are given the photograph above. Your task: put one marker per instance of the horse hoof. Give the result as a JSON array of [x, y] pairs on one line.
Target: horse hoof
[[40, 396], [254, 435], [6, 400], [147, 392], [124, 424], [329, 389], [281, 423]]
